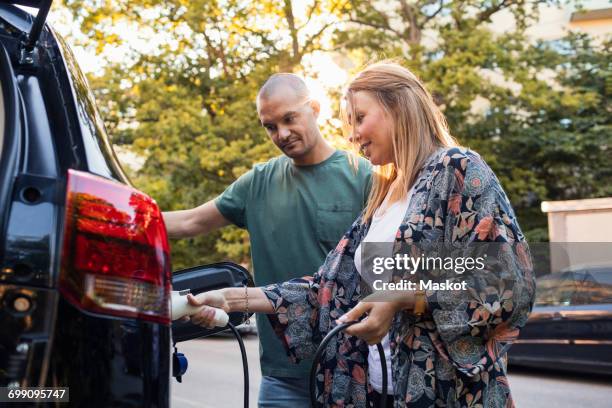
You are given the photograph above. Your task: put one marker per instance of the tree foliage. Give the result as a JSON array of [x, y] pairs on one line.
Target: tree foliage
[[539, 112]]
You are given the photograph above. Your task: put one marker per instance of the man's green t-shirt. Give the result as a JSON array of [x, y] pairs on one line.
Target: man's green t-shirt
[[294, 215]]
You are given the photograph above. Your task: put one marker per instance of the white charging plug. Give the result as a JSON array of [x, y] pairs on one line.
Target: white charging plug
[[181, 308]]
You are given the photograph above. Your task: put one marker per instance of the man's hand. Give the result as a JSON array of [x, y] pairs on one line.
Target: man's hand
[[214, 298]]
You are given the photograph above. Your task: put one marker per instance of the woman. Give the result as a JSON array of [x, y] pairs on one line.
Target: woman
[[448, 348]]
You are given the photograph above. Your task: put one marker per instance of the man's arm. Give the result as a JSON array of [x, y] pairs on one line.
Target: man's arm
[[196, 221]]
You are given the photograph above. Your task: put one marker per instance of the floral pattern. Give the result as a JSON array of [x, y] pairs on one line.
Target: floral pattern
[[453, 356]]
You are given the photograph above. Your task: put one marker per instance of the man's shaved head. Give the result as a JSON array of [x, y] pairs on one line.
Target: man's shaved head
[[289, 116], [283, 83]]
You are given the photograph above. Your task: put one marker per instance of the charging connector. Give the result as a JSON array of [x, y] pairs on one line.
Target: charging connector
[[181, 308]]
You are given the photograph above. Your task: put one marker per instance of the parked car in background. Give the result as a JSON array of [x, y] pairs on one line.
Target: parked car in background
[[85, 273], [570, 326]]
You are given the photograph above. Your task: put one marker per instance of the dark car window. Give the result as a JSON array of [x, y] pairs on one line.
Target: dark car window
[[603, 276], [582, 287], [2, 119], [555, 289], [595, 288], [100, 156]]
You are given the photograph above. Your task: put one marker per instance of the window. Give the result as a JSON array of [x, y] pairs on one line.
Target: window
[[595, 288], [555, 289], [581, 287], [2, 119]]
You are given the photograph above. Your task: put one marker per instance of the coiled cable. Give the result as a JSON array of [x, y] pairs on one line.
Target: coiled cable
[[319, 354]]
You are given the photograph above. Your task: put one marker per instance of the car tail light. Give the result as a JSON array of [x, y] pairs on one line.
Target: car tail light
[[115, 257]]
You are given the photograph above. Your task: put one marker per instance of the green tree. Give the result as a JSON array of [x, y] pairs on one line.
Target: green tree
[[188, 107], [538, 113], [543, 122]]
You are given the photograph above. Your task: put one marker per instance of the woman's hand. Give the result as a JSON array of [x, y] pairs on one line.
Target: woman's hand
[[205, 317], [380, 316], [376, 326]]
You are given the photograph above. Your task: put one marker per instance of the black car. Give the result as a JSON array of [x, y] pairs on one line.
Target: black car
[[85, 274], [570, 326]]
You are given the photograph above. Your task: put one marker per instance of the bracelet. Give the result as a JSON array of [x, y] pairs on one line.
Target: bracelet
[[419, 303], [247, 318]]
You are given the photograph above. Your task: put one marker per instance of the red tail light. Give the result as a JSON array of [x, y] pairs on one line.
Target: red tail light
[[115, 257]]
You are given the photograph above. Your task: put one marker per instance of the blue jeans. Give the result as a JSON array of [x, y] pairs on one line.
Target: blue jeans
[[281, 392]]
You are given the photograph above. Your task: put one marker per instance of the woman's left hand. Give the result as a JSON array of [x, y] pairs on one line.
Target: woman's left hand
[[376, 326]]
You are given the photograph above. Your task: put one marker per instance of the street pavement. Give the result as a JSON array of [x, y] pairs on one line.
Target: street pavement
[[214, 380], [214, 374]]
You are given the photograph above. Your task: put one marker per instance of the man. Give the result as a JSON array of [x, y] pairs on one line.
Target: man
[[295, 207]]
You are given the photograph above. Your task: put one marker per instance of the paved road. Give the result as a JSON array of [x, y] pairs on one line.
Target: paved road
[[214, 380], [538, 388], [214, 375]]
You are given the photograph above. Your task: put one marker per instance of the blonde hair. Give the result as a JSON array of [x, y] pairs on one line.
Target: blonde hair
[[419, 126]]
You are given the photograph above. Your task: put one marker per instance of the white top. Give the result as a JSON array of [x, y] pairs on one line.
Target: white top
[[383, 228]]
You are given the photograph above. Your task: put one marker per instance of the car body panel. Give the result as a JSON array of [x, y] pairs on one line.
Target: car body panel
[[570, 326], [55, 126], [52, 125]]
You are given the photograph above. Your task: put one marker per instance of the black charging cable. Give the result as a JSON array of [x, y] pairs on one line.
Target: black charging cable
[[179, 363], [313, 370], [245, 363], [319, 354]]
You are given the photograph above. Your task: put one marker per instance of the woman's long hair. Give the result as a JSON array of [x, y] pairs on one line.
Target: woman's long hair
[[419, 127]]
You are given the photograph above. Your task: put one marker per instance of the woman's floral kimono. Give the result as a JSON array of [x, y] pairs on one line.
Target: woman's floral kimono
[[454, 355]]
